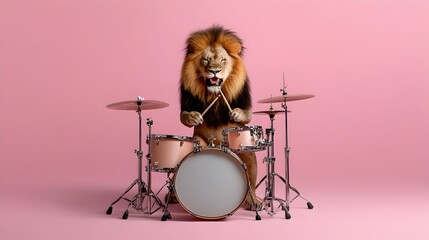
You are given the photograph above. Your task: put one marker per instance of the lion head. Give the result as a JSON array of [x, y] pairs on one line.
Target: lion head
[[213, 60]]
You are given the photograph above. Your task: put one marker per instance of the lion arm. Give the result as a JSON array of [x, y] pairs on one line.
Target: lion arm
[[190, 109], [242, 106]]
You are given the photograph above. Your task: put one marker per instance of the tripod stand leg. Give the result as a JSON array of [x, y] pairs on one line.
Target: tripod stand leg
[[281, 178], [250, 192], [309, 204], [167, 214], [110, 209], [132, 202], [125, 215], [287, 214]]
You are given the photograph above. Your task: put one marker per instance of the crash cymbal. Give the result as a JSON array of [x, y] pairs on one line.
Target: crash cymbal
[[288, 98], [133, 105], [270, 112]]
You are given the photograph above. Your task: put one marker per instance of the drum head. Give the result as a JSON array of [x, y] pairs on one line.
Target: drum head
[[211, 184]]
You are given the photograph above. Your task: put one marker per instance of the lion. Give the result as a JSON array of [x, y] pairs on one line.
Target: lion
[[213, 63]]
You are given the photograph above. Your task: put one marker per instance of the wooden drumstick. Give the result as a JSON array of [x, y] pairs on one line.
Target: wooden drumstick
[[226, 101], [211, 104]]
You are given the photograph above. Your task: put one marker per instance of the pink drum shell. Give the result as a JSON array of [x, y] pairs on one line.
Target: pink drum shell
[[168, 150], [237, 139]]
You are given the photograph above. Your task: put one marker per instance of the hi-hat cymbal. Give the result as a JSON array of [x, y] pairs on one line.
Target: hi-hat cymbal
[[287, 98], [270, 112], [134, 105]]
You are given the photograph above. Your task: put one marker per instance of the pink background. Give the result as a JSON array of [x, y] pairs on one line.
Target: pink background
[[359, 149]]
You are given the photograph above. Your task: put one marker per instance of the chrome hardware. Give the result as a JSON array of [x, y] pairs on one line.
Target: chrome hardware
[[211, 141]]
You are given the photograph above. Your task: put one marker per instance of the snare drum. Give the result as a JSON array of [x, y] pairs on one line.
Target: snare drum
[[168, 150], [211, 183], [244, 139]]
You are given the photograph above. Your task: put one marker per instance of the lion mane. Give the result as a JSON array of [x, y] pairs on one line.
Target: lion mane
[[194, 95]]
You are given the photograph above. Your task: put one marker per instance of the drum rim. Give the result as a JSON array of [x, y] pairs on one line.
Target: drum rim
[[163, 170], [209, 148], [248, 149], [177, 137], [252, 127]]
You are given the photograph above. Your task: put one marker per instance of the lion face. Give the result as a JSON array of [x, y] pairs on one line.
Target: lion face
[[213, 60], [215, 68]]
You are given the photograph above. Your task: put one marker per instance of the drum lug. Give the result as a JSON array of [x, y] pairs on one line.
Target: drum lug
[[181, 143], [157, 141], [197, 148], [225, 149], [211, 141]]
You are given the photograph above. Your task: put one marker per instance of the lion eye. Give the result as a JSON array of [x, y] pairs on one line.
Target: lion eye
[[223, 60], [205, 60]]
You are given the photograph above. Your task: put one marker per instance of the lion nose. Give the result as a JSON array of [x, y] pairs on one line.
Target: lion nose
[[214, 71]]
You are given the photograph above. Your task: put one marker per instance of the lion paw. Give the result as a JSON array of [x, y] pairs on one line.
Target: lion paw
[[237, 115], [252, 207]]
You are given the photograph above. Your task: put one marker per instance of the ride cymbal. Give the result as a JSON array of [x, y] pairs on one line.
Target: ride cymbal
[[134, 105], [286, 98], [270, 112]]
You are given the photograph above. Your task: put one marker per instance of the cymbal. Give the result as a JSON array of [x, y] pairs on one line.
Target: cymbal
[[287, 98], [133, 105], [270, 112]]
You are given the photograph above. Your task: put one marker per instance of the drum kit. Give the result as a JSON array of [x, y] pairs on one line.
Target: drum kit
[[209, 182]]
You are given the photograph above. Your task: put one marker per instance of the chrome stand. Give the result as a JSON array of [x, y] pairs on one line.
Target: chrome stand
[[269, 178], [170, 186], [145, 193], [287, 153]]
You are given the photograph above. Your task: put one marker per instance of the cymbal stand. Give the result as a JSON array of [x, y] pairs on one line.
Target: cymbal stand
[[269, 178], [139, 181], [149, 195], [287, 155], [143, 190]]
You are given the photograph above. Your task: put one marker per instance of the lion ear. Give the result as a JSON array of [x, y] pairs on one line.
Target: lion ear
[[197, 42], [233, 45]]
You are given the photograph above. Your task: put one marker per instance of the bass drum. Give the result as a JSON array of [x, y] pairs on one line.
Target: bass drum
[[211, 183]]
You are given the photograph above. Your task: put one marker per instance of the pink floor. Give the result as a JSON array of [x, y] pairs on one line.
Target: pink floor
[[78, 212]]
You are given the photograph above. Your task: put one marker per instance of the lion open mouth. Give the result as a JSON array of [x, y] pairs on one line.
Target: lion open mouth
[[214, 81]]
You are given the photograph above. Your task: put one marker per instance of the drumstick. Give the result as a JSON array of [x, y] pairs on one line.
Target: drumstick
[[226, 101], [211, 104]]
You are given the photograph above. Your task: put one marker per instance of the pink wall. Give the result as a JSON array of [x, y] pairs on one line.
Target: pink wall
[[62, 62]]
